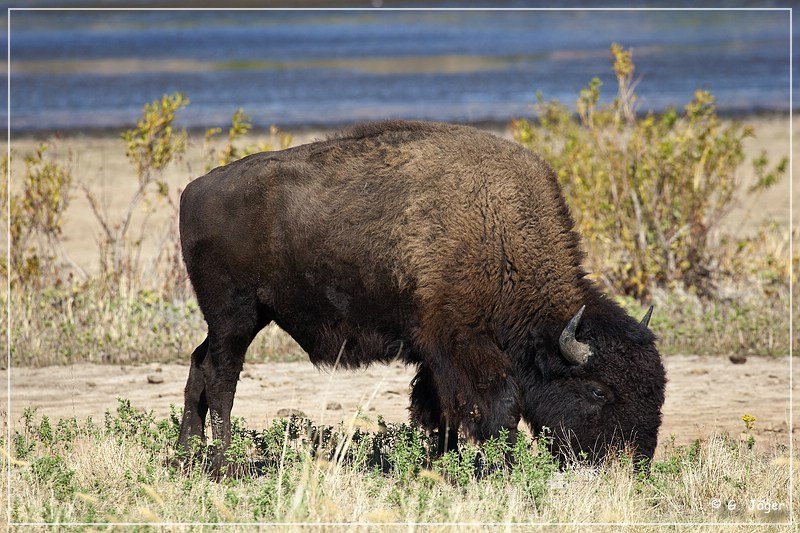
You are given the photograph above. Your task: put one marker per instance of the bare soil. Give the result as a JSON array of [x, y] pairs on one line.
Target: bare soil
[[704, 395]]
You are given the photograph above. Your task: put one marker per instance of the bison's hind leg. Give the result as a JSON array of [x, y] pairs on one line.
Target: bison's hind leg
[[233, 322], [195, 405], [426, 411]]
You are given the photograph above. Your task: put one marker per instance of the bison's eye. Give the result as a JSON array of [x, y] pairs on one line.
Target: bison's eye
[[598, 394]]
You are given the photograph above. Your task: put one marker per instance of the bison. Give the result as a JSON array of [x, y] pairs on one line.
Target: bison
[[439, 245]]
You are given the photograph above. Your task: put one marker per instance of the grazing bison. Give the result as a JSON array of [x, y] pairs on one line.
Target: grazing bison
[[439, 245]]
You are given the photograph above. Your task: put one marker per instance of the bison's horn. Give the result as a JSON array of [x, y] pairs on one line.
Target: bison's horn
[[646, 319], [573, 350]]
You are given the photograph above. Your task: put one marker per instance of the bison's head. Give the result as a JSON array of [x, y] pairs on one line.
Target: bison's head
[[597, 383]]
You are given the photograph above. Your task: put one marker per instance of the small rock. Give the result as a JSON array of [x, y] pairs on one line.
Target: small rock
[[333, 406], [155, 379], [738, 359], [91, 384], [284, 413]]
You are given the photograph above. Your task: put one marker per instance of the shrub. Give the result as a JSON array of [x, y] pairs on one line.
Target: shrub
[[154, 143], [37, 216], [648, 193], [239, 128], [150, 147]]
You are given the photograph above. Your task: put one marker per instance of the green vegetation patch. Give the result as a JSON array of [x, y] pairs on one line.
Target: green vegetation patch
[[121, 468]]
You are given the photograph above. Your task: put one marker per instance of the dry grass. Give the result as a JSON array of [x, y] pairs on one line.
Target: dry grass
[[744, 320], [89, 323], [116, 471]]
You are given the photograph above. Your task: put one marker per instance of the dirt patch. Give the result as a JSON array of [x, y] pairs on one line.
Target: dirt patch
[[704, 394]]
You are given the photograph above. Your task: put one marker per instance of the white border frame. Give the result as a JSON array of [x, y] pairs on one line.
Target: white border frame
[[791, 521]]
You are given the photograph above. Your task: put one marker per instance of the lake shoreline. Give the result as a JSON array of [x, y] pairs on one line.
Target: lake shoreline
[[304, 129]]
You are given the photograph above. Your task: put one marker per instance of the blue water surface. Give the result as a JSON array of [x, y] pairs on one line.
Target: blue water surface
[[319, 67]]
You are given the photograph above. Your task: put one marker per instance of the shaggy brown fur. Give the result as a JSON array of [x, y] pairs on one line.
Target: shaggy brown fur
[[441, 245]]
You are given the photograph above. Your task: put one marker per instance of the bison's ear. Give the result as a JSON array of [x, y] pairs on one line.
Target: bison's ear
[[574, 351], [647, 315]]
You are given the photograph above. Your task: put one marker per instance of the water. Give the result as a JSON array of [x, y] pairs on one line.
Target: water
[[80, 70]]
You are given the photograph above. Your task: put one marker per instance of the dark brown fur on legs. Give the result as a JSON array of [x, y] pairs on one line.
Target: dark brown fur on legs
[[195, 405], [478, 388], [426, 411], [221, 371], [233, 321]]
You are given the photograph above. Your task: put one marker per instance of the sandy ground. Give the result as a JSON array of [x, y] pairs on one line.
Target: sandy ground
[[704, 394]]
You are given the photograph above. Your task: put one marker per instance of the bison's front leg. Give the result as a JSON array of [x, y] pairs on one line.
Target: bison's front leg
[[476, 386], [426, 411]]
